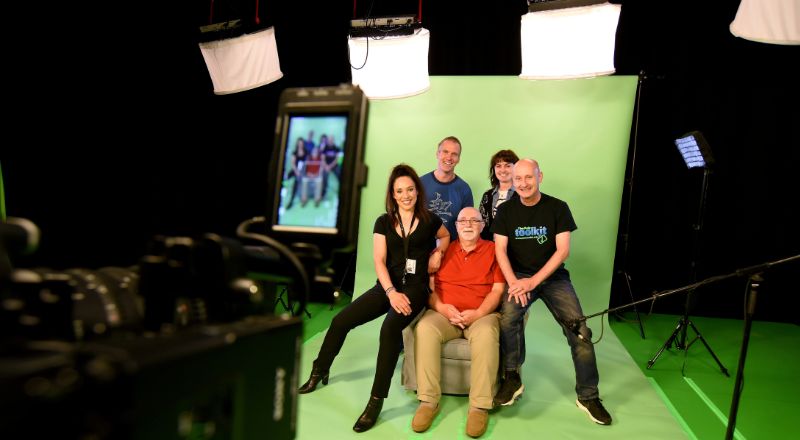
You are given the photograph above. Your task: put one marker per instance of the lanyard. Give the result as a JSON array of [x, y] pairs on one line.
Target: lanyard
[[405, 242]]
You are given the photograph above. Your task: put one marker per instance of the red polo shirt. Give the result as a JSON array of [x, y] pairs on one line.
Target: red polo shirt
[[465, 278]]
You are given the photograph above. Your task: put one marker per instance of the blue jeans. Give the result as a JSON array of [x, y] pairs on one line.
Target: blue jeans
[[560, 298]]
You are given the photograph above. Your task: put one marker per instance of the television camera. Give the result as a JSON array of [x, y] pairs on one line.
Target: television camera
[[186, 343], [182, 345]]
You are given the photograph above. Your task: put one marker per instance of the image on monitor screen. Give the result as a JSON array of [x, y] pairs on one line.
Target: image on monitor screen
[[311, 171]]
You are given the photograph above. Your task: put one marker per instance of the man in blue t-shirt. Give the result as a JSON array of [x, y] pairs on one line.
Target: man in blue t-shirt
[[447, 194]]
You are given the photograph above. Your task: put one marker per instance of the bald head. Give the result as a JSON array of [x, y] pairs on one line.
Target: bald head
[[469, 212], [527, 176], [469, 225], [527, 165]]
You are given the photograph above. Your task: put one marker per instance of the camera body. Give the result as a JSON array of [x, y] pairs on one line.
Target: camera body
[[183, 345]]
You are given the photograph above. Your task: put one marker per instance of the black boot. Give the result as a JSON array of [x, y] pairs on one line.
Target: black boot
[[317, 375], [370, 414]]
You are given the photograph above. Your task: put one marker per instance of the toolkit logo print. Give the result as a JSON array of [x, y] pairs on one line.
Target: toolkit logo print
[[531, 232]]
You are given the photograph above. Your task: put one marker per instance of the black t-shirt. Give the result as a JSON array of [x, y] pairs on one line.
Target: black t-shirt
[[532, 230], [420, 244], [330, 152]]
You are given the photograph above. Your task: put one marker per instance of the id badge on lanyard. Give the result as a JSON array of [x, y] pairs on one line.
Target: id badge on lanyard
[[411, 268]]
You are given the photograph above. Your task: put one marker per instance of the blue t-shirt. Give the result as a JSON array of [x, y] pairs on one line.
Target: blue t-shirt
[[447, 199]]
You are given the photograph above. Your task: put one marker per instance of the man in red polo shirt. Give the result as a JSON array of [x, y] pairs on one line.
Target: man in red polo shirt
[[466, 293]]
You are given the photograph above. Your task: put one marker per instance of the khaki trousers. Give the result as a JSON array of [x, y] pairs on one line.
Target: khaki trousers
[[433, 330]]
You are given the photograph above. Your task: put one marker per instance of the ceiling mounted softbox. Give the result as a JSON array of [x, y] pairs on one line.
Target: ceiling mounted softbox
[[768, 21], [564, 39], [242, 63], [388, 67]]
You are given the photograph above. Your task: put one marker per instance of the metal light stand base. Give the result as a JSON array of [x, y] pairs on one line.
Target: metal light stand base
[[683, 324]]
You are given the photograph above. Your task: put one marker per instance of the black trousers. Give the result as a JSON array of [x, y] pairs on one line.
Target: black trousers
[[372, 304], [295, 185]]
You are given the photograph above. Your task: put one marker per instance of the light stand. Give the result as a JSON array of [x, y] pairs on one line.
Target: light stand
[[696, 154], [628, 202], [678, 336], [697, 229]]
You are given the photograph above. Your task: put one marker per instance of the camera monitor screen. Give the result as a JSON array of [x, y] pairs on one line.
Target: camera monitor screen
[[311, 174], [318, 166]]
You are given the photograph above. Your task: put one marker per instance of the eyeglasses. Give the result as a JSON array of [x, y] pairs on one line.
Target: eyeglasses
[[465, 221]]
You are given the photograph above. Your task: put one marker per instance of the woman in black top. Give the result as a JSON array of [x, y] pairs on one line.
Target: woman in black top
[[298, 161], [401, 291], [500, 168]]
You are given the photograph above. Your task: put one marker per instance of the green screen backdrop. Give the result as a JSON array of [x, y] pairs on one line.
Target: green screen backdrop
[[578, 130]]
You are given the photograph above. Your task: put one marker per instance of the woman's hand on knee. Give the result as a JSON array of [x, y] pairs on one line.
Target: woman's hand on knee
[[400, 302]]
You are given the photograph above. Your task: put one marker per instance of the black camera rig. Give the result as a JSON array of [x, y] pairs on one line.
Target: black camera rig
[[183, 345]]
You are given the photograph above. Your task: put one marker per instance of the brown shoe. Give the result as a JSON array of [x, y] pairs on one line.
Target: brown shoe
[[423, 418], [477, 421]]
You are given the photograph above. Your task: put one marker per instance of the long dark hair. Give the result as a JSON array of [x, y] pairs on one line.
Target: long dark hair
[[420, 211], [501, 156]]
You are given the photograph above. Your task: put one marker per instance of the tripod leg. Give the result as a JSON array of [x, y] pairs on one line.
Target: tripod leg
[[281, 301], [666, 345], [703, 340], [635, 309], [290, 307], [286, 305]]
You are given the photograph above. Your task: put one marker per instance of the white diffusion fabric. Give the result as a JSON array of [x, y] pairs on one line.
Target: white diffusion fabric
[[569, 43], [768, 21], [242, 63], [393, 67]]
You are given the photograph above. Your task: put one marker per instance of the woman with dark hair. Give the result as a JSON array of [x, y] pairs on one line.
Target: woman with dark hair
[[404, 251], [500, 168], [298, 163]]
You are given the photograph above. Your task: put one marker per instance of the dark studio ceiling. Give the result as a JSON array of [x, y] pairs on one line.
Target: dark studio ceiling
[[123, 137]]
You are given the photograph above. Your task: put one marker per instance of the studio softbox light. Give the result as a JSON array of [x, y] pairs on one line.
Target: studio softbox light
[[243, 62], [768, 21], [564, 39], [389, 57]]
